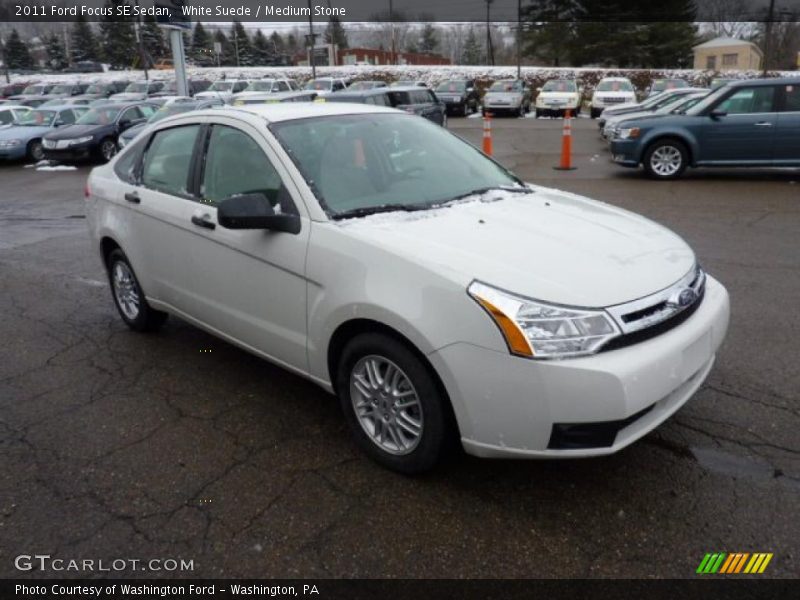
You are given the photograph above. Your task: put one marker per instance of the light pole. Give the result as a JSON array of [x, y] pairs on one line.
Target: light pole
[[311, 41], [519, 39], [768, 37], [393, 55], [489, 48]]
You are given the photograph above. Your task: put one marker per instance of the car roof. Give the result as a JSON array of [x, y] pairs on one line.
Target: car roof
[[770, 81], [60, 107], [278, 112]]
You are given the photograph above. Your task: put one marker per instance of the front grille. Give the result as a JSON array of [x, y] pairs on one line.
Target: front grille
[[573, 436], [614, 100]]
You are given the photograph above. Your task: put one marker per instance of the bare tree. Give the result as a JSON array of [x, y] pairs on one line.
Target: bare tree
[[727, 18]]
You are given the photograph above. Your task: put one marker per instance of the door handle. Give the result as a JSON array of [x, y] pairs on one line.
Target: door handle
[[132, 197], [763, 124], [203, 222]]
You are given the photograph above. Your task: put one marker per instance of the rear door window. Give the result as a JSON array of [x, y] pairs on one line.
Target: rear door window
[[749, 100], [791, 94], [168, 160]]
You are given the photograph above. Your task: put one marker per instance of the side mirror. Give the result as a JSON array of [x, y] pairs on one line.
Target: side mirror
[[254, 211], [716, 113], [58, 123], [125, 124]]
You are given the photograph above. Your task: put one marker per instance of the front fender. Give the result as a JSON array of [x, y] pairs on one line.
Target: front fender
[[680, 133]]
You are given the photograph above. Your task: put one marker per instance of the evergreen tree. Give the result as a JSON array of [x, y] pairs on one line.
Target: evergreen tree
[[292, 47], [117, 38], [429, 40], [335, 33], [201, 48], [56, 54], [153, 39], [227, 56], [277, 42], [83, 44], [263, 50], [472, 53], [241, 45], [549, 31], [15, 53]]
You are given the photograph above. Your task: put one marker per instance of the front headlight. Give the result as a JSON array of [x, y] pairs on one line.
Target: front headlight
[[628, 133], [80, 140], [538, 330], [9, 143]]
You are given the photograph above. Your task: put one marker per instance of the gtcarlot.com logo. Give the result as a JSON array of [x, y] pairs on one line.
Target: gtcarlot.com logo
[[45, 562], [734, 563]]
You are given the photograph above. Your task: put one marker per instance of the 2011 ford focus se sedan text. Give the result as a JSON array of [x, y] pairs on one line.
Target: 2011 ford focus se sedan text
[[392, 263]]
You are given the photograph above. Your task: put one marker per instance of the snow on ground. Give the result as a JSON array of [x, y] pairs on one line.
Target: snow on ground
[[57, 168]]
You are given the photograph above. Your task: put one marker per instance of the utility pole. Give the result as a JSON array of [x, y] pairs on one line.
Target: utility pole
[[311, 42], [5, 62], [236, 45], [393, 55], [768, 37], [489, 48], [140, 43], [519, 39]]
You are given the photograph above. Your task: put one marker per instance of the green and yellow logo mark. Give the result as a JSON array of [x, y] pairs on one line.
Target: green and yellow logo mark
[[734, 562]]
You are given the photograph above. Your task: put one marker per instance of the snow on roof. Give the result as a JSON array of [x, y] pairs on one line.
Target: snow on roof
[[725, 41], [303, 110]]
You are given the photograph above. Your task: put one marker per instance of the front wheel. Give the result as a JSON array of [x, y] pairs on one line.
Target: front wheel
[[666, 159], [128, 296], [108, 148], [35, 150], [392, 404]]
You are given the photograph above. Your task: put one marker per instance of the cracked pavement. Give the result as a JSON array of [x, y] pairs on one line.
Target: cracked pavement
[[177, 445]]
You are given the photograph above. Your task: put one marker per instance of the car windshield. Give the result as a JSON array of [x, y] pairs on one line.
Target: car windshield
[[34, 90], [615, 86], [659, 85], [685, 104], [221, 86], [170, 86], [452, 86], [319, 84], [37, 118], [555, 85], [707, 101], [359, 164], [99, 116], [264, 85], [96, 89], [362, 85], [506, 86], [61, 89], [137, 88], [667, 101], [718, 83]]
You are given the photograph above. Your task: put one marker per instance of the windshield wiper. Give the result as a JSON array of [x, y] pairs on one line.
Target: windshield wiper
[[355, 213], [486, 190]]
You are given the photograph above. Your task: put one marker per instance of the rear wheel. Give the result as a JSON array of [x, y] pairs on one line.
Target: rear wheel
[[128, 296], [666, 159], [392, 404], [108, 148]]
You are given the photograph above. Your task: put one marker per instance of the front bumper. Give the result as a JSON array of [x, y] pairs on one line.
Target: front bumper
[[13, 152], [625, 152], [514, 407], [81, 152]]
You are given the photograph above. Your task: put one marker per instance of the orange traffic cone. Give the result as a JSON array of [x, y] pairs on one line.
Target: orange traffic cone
[[566, 145], [487, 134]]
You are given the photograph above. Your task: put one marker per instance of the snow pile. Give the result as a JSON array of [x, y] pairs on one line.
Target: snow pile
[[57, 168]]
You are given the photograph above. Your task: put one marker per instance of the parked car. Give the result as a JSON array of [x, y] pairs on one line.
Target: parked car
[[409, 83], [357, 86], [460, 96], [95, 134], [275, 97], [224, 89], [325, 85], [413, 100], [168, 110], [74, 100], [86, 66], [266, 86], [164, 64], [10, 113], [105, 89], [557, 96], [743, 124], [195, 86], [330, 243], [719, 82], [510, 96], [138, 91], [632, 107], [611, 91], [661, 85], [24, 138], [661, 104], [33, 92], [13, 89]]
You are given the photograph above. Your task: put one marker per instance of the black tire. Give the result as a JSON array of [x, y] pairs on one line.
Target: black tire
[[538, 113], [438, 430], [595, 112], [35, 151], [145, 318], [666, 159], [106, 155]]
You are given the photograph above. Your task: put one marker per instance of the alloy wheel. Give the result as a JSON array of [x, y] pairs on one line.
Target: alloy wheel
[[108, 150], [126, 292], [666, 161], [386, 404]]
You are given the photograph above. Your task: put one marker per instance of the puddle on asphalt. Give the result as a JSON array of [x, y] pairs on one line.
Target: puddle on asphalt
[[725, 463]]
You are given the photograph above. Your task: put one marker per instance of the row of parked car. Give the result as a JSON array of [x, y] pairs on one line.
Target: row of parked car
[[750, 123]]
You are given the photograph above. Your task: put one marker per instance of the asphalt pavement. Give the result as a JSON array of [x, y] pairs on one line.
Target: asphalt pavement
[[117, 445]]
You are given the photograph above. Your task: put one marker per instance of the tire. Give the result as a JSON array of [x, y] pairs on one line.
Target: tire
[[35, 150], [666, 159], [128, 296], [521, 111], [538, 113], [595, 112], [382, 429], [107, 149]]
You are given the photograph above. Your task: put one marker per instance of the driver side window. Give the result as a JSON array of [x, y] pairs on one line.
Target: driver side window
[[235, 164]]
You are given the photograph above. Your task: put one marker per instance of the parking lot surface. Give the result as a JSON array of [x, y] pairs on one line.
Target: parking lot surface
[[178, 445]]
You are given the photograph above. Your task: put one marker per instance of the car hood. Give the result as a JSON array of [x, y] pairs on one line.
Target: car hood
[[75, 131], [548, 245], [642, 114], [22, 132]]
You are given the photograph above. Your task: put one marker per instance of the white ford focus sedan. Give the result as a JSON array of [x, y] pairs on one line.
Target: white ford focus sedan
[[392, 263]]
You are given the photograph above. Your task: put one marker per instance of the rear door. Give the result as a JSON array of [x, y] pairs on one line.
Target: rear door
[[745, 134], [787, 129]]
